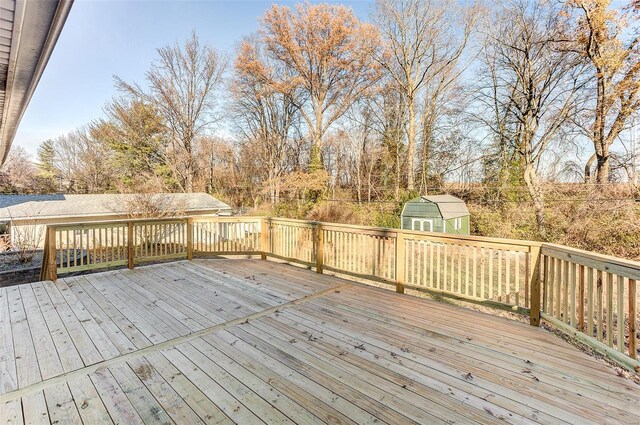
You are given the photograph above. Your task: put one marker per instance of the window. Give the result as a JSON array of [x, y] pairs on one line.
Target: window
[[457, 223], [423, 224]]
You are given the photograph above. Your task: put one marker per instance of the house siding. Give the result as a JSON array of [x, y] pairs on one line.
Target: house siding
[[422, 210], [34, 229], [464, 230]]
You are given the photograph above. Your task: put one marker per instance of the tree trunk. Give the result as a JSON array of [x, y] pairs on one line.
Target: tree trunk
[[426, 147], [411, 144], [599, 138], [315, 157], [603, 166], [188, 184], [588, 177], [535, 192], [398, 172]]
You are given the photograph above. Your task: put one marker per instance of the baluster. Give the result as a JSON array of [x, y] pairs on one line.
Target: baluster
[[633, 319], [590, 302], [499, 263], [466, 270], [609, 327], [572, 281], [517, 256], [620, 313], [475, 271], [581, 297], [551, 287], [600, 292], [483, 257]]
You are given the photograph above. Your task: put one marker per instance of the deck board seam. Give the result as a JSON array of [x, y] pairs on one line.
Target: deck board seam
[[38, 386]]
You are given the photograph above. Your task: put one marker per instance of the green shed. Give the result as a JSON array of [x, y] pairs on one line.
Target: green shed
[[437, 213]]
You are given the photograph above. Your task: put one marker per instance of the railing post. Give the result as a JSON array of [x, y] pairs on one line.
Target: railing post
[[265, 230], [534, 285], [52, 266], [632, 319], [400, 261], [581, 298], [190, 238], [319, 241], [130, 251]]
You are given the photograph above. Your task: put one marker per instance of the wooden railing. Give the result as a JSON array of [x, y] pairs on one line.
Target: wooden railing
[[588, 295], [593, 297]]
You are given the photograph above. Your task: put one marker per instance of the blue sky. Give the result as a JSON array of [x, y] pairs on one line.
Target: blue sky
[[119, 37]]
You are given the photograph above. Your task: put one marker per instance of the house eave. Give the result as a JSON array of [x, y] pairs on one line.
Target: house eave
[[36, 26]]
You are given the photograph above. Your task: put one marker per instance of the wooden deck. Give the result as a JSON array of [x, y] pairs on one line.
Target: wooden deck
[[249, 341]]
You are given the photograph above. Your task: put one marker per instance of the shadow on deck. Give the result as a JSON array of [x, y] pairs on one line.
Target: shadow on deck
[[247, 341]]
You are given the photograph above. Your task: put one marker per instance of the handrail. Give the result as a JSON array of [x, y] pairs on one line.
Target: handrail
[[588, 295]]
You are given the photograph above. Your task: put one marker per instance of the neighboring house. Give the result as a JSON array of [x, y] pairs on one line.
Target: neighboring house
[[437, 213], [26, 216]]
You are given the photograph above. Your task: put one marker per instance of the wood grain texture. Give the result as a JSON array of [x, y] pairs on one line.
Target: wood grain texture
[[248, 341]]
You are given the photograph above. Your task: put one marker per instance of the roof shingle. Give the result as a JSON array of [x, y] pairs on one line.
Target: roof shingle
[[49, 206]]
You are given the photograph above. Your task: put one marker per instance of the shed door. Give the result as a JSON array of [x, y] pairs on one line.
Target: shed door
[[423, 224]]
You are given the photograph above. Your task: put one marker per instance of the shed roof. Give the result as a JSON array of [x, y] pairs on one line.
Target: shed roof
[[14, 207], [449, 206]]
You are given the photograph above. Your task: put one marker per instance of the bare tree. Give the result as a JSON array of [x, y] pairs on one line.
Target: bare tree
[[363, 147], [329, 55], [182, 85], [424, 40], [266, 114], [18, 173], [531, 89], [82, 161], [612, 48]]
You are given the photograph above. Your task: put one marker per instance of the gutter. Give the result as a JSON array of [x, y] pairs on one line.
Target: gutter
[[36, 28]]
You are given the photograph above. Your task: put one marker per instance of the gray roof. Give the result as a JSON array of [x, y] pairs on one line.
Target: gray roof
[[449, 206], [50, 206]]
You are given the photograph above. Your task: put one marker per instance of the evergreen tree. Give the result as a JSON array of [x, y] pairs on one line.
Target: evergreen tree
[[48, 173]]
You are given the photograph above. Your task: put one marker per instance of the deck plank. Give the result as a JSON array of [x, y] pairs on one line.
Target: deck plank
[[46, 353], [237, 389], [292, 400], [108, 325], [488, 340], [346, 356], [8, 372], [395, 395], [356, 391], [128, 321], [155, 330], [350, 354], [269, 397], [27, 369], [171, 402], [235, 410], [68, 353], [91, 408], [11, 412], [120, 409], [34, 409], [335, 399], [206, 410], [456, 353], [140, 397], [99, 338], [152, 313], [61, 406], [82, 341]]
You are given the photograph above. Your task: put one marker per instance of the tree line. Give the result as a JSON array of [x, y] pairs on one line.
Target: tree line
[[505, 93]]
